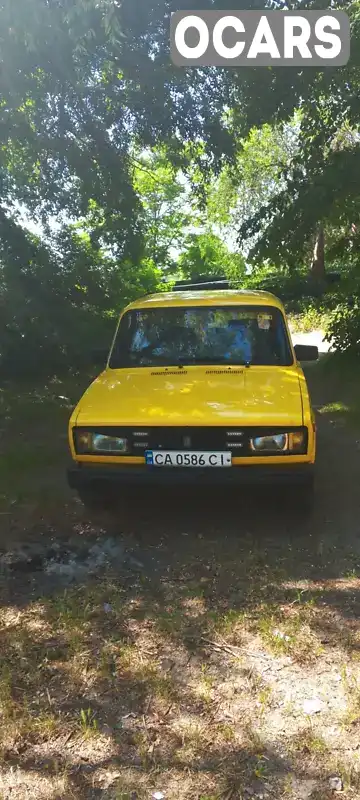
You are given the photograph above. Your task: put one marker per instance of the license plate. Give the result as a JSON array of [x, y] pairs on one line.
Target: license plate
[[174, 458]]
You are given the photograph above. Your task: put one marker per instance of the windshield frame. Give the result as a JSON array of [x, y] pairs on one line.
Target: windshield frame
[[116, 363]]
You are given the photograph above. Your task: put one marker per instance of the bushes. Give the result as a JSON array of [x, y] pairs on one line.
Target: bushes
[[333, 307], [60, 301], [58, 335], [344, 327], [311, 319], [296, 289], [44, 347]]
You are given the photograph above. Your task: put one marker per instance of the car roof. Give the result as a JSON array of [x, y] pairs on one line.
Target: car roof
[[207, 298]]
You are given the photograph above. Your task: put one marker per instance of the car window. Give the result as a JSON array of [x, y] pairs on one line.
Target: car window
[[202, 335]]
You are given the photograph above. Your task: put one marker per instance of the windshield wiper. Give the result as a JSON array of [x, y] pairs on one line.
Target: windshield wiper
[[180, 363], [215, 361]]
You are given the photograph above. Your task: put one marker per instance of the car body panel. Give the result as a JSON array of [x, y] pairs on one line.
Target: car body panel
[[206, 298], [195, 395], [199, 395]]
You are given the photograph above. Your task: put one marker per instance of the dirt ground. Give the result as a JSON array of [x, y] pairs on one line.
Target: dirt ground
[[196, 646]]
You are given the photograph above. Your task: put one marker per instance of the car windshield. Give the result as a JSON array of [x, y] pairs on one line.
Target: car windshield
[[176, 336]]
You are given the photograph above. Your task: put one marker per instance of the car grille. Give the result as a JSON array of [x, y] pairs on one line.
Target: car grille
[[237, 440]]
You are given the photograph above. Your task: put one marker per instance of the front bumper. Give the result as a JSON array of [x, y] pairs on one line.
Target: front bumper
[[80, 477]]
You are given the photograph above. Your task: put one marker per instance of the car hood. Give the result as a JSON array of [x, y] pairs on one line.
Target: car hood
[[193, 396]]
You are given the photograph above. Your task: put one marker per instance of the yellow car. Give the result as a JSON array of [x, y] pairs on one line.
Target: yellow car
[[200, 386]]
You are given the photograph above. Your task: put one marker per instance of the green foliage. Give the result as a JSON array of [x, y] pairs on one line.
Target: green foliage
[[88, 722], [317, 184], [86, 94], [246, 188], [101, 132], [309, 319], [58, 303], [344, 327], [205, 254], [165, 213], [341, 302], [294, 287], [85, 80], [344, 320]]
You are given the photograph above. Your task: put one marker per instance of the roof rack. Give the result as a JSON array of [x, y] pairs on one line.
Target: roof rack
[[217, 283]]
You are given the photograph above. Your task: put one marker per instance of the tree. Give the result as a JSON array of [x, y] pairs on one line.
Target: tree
[[165, 208], [81, 82], [60, 300], [87, 85], [318, 264], [84, 80], [84, 86], [245, 189], [206, 255]]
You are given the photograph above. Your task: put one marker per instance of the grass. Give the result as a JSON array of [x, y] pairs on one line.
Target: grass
[[205, 685], [335, 381], [352, 690], [310, 743], [88, 723], [231, 625], [62, 651], [36, 420], [173, 719]]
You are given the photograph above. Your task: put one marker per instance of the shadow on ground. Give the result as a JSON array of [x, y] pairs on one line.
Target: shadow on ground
[[160, 665]]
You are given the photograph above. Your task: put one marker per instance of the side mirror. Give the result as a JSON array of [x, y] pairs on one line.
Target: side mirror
[[100, 356], [306, 352]]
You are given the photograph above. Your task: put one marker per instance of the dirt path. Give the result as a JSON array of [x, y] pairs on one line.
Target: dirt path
[[198, 646]]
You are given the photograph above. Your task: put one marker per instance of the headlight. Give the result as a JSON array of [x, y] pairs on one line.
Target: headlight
[[270, 443], [292, 442], [99, 443]]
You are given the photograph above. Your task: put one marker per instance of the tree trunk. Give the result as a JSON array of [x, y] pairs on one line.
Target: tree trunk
[[318, 263]]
